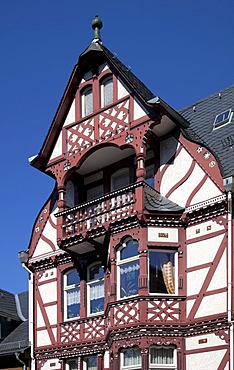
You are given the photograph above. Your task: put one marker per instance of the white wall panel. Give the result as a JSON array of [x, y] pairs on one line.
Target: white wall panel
[[212, 305], [43, 338], [52, 314], [207, 191], [138, 110], [48, 292], [40, 322], [52, 364], [162, 234], [219, 279], [58, 150], [203, 251], [204, 229], [204, 361], [48, 274], [122, 90], [211, 340], [195, 280]]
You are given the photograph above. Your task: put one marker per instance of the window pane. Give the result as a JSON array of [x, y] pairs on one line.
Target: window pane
[[129, 273], [91, 363], [96, 272], [73, 278], [132, 356], [120, 179], [72, 364], [130, 250], [162, 265], [73, 303], [107, 93], [161, 356], [87, 102], [97, 297]]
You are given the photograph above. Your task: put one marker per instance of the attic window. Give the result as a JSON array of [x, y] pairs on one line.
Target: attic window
[[222, 118], [106, 91], [87, 101]]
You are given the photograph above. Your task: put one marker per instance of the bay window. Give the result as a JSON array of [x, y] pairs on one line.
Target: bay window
[[95, 289], [162, 358], [71, 295], [128, 268], [162, 271]]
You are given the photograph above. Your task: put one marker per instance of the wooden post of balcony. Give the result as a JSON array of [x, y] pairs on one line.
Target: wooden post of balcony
[[61, 207], [140, 175]]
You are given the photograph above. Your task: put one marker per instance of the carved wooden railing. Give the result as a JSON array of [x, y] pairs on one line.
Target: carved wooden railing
[[109, 208]]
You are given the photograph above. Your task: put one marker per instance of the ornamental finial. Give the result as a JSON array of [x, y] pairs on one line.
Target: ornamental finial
[[96, 26]]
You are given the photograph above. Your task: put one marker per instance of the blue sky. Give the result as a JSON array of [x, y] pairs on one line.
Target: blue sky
[[182, 50]]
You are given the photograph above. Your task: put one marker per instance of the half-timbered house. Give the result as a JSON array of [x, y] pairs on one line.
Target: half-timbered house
[[132, 253]]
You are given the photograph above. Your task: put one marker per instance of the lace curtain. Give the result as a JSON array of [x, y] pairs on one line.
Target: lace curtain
[[132, 357], [73, 297], [97, 290]]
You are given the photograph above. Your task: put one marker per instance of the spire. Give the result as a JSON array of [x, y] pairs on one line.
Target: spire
[[96, 26]]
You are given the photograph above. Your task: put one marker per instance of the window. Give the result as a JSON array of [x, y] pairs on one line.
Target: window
[[90, 363], [128, 268], [222, 118], [162, 358], [71, 295], [87, 101], [162, 265], [120, 179], [95, 289], [131, 359], [71, 364], [106, 91], [149, 178]]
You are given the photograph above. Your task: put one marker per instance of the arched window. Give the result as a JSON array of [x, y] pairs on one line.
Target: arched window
[[162, 357], [128, 268], [106, 91], [95, 289], [87, 101], [131, 358], [71, 295]]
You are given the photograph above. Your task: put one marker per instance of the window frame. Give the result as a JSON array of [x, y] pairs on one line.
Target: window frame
[[89, 283], [121, 262], [130, 367], [103, 83], [85, 365], [84, 93], [66, 288], [161, 366], [166, 250]]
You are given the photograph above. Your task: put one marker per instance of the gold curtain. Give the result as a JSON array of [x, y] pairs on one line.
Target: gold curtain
[[169, 277]]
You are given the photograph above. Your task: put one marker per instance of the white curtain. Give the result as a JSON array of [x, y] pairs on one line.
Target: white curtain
[[73, 297], [132, 356], [131, 268], [97, 290], [161, 356]]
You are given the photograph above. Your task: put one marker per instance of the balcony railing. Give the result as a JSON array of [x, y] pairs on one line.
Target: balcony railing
[[99, 212]]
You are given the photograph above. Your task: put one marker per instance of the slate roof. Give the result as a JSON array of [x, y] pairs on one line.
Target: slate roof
[[155, 202], [15, 307], [219, 141]]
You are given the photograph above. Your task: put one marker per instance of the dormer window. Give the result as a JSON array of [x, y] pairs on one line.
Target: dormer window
[[107, 91], [222, 118], [87, 101]]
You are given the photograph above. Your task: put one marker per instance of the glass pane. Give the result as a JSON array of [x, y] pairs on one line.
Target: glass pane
[[161, 265], [73, 303], [130, 250], [87, 102], [97, 297], [129, 273], [120, 179], [132, 356], [107, 92], [96, 272], [73, 364], [91, 363], [73, 278], [161, 356]]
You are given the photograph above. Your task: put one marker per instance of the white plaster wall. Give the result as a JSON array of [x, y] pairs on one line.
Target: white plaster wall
[[40, 322], [51, 312], [52, 364], [209, 360], [48, 274], [48, 292], [204, 251], [154, 232], [189, 305], [58, 148], [207, 191], [122, 89], [43, 338], [71, 115], [181, 194], [176, 171], [195, 280], [204, 229], [212, 340], [138, 110], [212, 305], [219, 279], [49, 233], [106, 360]]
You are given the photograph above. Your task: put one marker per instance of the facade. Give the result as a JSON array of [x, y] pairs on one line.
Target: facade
[[14, 341], [132, 253]]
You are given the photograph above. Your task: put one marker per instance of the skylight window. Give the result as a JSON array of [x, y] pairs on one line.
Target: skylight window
[[223, 118]]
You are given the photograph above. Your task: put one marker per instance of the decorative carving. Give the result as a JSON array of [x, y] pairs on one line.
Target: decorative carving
[[70, 333], [94, 329], [126, 314], [163, 311], [114, 120]]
